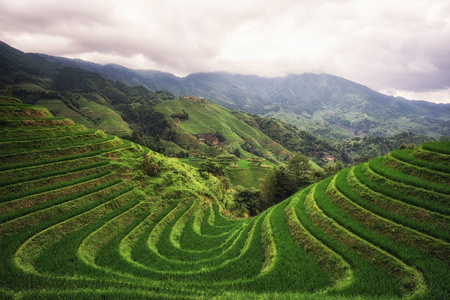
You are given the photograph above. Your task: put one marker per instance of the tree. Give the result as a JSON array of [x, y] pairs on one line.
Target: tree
[[211, 167], [299, 169], [332, 168], [249, 199], [151, 166], [219, 136], [284, 181], [298, 163], [278, 186], [237, 152], [212, 151], [363, 158], [224, 185]]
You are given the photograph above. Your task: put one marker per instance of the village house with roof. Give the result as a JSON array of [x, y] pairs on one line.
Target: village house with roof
[[208, 138]]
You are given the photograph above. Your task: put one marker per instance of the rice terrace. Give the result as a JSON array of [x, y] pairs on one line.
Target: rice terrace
[[87, 215]]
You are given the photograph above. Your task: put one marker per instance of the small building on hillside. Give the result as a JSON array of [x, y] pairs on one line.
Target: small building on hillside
[[316, 154], [186, 97], [329, 157], [209, 139]]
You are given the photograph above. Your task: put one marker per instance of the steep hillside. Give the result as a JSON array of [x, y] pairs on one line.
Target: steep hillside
[[86, 215], [83, 96], [199, 122]]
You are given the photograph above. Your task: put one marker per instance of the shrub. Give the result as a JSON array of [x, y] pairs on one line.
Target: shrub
[[150, 166]]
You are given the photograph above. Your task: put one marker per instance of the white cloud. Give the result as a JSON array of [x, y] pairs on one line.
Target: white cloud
[[401, 46], [438, 96]]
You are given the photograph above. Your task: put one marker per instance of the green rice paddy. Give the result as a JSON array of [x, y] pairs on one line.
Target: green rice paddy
[[74, 224]]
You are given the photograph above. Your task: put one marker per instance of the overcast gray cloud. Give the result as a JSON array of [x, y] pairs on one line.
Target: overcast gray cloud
[[394, 46]]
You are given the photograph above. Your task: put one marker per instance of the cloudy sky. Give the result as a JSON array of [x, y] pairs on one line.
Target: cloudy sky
[[398, 47]]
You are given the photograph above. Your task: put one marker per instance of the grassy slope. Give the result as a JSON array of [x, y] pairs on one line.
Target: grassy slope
[[110, 121], [106, 119], [247, 174], [248, 177], [378, 230], [205, 117], [59, 109]]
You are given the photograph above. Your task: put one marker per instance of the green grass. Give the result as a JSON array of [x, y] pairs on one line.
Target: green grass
[[110, 121], [21, 193], [406, 156], [52, 153], [247, 175], [48, 143], [22, 177], [20, 111], [391, 226], [60, 109], [27, 255], [370, 244], [35, 122], [337, 269], [441, 147], [9, 99], [30, 133], [433, 270], [409, 194], [29, 215], [54, 181], [66, 159], [248, 178], [25, 207], [106, 119], [416, 171], [414, 217], [369, 280], [432, 156], [377, 165]]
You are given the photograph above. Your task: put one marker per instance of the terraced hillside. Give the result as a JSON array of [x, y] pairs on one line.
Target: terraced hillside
[[206, 117], [74, 225]]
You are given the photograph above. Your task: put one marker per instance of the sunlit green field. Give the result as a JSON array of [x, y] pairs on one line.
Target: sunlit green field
[[93, 113], [243, 172]]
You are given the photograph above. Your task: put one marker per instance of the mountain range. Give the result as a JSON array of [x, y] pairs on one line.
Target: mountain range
[[322, 104]]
